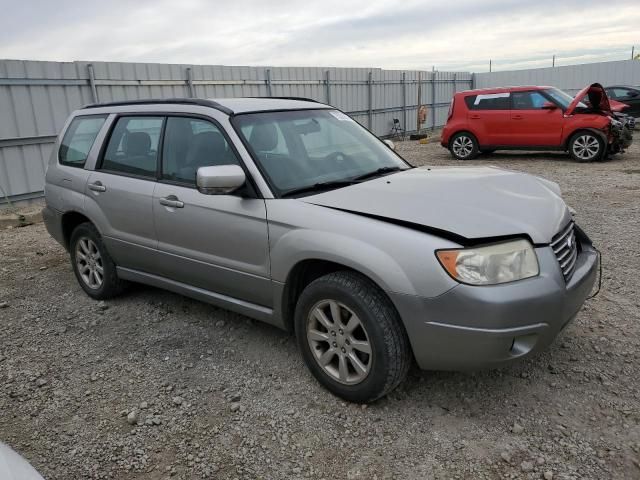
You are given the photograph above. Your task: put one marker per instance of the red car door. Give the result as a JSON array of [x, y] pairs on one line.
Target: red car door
[[489, 118], [535, 121]]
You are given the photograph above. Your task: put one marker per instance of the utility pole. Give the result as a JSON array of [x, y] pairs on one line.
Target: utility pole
[[489, 66], [553, 62], [633, 48]]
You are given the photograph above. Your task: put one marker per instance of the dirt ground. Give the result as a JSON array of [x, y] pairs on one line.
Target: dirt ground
[[153, 385]]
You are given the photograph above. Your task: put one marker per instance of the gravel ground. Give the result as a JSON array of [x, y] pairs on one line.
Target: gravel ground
[[153, 385]]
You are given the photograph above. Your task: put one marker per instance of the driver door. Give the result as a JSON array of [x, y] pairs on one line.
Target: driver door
[[215, 242], [532, 125]]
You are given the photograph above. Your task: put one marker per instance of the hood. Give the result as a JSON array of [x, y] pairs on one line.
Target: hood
[[14, 467], [468, 202], [617, 106], [595, 95]]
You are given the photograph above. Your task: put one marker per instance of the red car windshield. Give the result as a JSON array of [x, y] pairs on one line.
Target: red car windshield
[[562, 98]]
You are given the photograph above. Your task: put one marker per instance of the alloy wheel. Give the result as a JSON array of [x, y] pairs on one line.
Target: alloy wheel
[[462, 146], [586, 147], [89, 263], [339, 342]]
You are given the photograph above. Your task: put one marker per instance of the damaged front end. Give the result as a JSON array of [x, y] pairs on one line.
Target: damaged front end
[[593, 99], [620, 134]]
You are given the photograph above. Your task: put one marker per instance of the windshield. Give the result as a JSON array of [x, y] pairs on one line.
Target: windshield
[[562, 98], [297, 149]]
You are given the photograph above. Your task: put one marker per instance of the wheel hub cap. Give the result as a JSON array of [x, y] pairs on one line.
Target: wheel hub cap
[[339, 342], [89, 263], [462, 146], [586, 147]]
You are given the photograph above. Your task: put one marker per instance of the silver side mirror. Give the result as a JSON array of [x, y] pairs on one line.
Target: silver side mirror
[[390, 144], [220, 179]]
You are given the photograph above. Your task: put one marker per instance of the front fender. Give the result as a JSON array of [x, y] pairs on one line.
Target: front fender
[[307, 244]]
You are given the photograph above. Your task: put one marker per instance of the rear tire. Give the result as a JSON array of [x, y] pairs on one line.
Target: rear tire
[[94, 269], [351, 337], [586, 147], [464, 146]]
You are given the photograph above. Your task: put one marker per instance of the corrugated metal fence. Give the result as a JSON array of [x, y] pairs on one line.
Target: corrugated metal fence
[[570, 78], [37, 97]]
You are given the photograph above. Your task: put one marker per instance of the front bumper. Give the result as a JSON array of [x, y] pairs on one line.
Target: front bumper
[[474, 327]]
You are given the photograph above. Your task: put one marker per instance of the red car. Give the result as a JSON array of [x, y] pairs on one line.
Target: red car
[[534, 118]]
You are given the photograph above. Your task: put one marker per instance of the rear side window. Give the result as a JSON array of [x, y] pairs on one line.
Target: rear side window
[[191, 143], [78, 140], [488, 101], [133, 146]]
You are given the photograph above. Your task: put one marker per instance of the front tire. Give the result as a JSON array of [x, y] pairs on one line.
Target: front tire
[[351, 337], [94, 269], [586, 147], [464, 146]]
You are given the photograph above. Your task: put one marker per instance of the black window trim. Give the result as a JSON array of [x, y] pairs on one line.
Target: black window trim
[[252, 190], [77, 165]]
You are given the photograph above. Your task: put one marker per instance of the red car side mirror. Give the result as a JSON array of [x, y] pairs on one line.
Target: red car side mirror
[[549, 106]]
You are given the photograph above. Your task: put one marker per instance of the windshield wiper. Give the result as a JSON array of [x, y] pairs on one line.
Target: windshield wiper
[[317, 187], [376, 173]]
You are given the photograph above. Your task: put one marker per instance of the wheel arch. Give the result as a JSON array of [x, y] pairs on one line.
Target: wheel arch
[[463, 130], [303, 273], [70, 220]]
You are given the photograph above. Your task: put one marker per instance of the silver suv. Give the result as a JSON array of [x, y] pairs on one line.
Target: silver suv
[[290, 212]]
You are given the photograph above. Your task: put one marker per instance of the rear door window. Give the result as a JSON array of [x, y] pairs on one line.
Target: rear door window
[[78, 140], [133, 146], [488, 101]]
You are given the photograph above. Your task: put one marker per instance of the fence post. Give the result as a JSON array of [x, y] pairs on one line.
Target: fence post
[[433, 100], [190, 85], [268, 81], [419, 101], [404, 104], [327, 83], [92, 83], [370, 84], [455, 83]]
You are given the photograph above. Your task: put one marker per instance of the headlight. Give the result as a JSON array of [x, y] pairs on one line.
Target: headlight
[[491, 264]]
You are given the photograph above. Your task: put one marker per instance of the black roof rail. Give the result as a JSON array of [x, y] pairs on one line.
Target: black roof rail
[[302, 99], [154, 101]]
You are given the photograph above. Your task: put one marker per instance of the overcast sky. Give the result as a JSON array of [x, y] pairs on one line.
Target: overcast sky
[[452, 35]]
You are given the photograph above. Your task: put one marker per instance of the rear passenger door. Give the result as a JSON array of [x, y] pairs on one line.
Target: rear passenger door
[[119, 192], [489, 118], [215, 242]]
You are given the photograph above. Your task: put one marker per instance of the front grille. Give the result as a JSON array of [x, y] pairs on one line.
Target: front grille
[[565, 247]]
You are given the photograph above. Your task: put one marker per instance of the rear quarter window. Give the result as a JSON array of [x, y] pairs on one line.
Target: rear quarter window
[[78, 140]]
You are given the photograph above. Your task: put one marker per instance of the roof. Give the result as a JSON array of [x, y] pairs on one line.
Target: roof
[[230, 106], [521, 88]]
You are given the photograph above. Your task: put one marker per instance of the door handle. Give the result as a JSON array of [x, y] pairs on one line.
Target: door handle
[[171, 201], [517, 117], [97, 187], [475, 117]]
